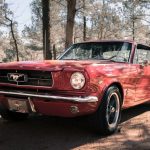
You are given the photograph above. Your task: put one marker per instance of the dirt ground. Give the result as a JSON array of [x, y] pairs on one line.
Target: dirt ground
[[45, 133]]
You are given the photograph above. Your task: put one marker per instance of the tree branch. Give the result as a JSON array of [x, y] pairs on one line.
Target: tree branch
[[13, 36], [5, 24]]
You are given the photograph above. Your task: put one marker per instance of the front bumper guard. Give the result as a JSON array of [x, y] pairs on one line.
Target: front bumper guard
[[87, 99]]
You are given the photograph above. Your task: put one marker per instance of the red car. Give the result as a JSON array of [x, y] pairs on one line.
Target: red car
[[92, 78]]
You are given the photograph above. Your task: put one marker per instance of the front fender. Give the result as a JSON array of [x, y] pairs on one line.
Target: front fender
[[102, 84]]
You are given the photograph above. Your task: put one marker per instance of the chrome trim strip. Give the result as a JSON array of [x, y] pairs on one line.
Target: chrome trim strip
[[51, 97]]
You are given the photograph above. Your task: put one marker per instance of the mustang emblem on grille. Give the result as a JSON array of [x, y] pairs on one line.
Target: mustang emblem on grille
[[17, 77]]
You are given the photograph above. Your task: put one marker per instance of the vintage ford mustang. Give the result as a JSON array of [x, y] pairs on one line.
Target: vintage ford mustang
[[97, 78]]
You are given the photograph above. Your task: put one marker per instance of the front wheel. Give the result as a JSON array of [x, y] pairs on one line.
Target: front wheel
[[109, 113]]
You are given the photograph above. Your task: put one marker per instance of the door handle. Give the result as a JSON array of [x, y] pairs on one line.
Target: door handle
[[141, 72]]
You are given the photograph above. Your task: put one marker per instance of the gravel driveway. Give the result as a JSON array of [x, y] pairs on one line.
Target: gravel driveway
[[45, 133]]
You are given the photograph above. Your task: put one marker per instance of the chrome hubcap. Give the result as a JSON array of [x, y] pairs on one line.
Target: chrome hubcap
[[112, 109]]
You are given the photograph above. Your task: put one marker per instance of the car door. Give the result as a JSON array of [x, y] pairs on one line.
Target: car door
[[142, 61]]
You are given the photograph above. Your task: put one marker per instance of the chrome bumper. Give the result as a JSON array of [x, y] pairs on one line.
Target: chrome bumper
[[51, 97]]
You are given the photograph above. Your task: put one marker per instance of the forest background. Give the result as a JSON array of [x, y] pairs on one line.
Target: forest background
[[71, 21]]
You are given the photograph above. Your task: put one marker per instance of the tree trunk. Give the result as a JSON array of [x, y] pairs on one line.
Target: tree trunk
[[54, 52], [13, 35], [15, 41], [71, 11], [133, 30], [84, 28], [84, 22], [46, 30]]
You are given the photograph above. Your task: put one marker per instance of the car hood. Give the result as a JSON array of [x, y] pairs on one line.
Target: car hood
[[51, 65], [92, 67]]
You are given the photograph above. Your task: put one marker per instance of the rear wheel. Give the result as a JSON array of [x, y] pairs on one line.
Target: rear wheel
[[108, 115], [9, 115]]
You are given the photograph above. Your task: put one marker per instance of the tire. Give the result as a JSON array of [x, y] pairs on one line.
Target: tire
[[13, 116], [108, 115]]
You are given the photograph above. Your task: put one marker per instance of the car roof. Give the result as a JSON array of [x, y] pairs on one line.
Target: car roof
[[143, 46], [139, 45], [97, 41]]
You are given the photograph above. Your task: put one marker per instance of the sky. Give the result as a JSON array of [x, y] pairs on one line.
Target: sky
[[22, 12]]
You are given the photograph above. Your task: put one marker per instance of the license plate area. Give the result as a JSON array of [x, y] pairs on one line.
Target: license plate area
[[18, 105]]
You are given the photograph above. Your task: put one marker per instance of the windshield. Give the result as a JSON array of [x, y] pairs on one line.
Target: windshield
[[115, 51]]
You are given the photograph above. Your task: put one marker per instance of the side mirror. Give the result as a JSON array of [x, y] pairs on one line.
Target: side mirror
[[144, 62]]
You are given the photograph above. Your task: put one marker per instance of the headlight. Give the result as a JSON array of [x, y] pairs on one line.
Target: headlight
[[77, 80]]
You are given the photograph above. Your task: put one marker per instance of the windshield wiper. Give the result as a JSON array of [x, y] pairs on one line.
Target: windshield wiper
[[111, 57]]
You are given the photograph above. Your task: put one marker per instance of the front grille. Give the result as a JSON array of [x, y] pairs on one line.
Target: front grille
[[34, 77]]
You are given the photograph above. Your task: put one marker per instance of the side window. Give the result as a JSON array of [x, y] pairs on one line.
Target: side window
[[141, 56]]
